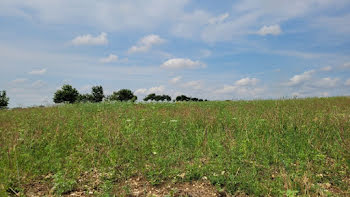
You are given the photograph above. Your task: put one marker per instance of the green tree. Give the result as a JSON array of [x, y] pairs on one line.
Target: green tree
[[66, 94], [83, 98], [122, 95], [4, 100], [168, 98], [150, 97], [97, 94]]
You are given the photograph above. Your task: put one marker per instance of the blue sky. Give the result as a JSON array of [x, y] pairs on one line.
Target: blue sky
[[244, 49]]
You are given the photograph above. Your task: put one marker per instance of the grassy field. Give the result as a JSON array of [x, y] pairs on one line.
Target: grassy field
[[297, 147]]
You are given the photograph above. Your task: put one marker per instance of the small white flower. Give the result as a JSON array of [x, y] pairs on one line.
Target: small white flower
[[154, 153]]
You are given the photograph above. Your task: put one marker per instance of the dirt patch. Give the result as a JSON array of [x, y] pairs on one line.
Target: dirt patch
[[89, 185], [139, 187], [38, 188]]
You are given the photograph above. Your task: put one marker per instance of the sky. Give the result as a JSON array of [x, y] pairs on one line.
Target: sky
[[216, 50]]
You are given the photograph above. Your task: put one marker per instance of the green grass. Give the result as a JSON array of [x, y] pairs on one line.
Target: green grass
[[272, 147]]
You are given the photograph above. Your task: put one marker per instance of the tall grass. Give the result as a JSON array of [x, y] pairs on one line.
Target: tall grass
[[258, 148]]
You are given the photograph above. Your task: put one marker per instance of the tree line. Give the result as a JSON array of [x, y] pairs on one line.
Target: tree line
[[68, 94], [71, 95]]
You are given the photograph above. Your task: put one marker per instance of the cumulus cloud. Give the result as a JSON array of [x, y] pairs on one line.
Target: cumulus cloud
[[175, 79], [272, 30], [157, 90], [326, 82], [38, 72], [299, 79], [196, 85], [141, 91], [181, 63], [109, 59], [89, 39], [218, 19], [146, 43], [247, 82], [245, 87]]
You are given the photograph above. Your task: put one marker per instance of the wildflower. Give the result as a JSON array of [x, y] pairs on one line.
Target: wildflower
[[154, 153]]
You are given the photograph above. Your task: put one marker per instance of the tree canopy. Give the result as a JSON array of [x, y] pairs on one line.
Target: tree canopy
[[97, 94], [186, 98], [154, 97], [66, 94], [123, 95], [4, 100]]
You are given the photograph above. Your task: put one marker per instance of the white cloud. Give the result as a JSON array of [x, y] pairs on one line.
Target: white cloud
[[141, 91], [218, 19], [109, 59], [246, 87], [272, 30], [180, 63], [196, 85], [157, 90], [117, 15], [38, 84], [241, 91], [88, 39], [299, 79], [327, 68], [146, 43], [175, 79], [189, 25], [38, 72], [326, 82], [247, 82], [19, 81], [347, 82]]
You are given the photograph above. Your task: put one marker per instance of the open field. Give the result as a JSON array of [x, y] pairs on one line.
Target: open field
[[244, 148]]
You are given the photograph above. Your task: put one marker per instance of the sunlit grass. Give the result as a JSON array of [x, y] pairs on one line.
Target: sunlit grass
[[272, 147]]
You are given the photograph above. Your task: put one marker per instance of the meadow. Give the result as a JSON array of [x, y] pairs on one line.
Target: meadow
[[291, 147]]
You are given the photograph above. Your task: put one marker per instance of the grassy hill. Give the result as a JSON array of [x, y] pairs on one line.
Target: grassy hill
[[245, 148]]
